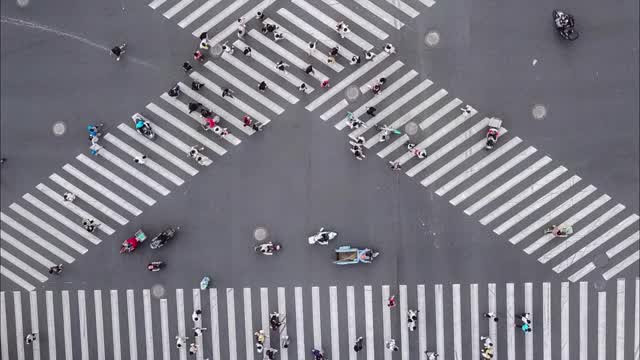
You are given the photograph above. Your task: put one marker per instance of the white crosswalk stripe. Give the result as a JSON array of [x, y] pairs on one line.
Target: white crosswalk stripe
[[26, 250], [330, 22], [384, 74], [382, 14], [198, 13], [356, 19], [220, 16], [176, 8], [452, 324], [220, 35]]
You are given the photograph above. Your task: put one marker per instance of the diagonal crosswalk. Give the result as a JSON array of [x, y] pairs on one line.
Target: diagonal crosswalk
[[73, 324]]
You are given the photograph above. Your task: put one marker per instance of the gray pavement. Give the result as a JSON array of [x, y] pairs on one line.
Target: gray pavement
[[298, 175]]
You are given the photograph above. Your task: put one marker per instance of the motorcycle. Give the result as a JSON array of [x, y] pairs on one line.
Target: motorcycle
[[204, 283], [132, 243], [493, 133], [322, 237], [142, 126], [268, 248], [565, 25], [163, 237], [155, 266]]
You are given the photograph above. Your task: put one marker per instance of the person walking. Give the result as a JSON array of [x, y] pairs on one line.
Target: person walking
[[486, 342], [491, 315], [68, 197], [57, 269], [325, 83], [30, 338], [174, 91], [196, 85], [391, 302], [197, 331], [368, 55], [371, 111], [262, 86], [119, 50], [389, 49], [193, 106], [278, 35], [260, 16], [284, 341], [467, 109], [140, 159], [186, 67], [247, 51], [242, 28], [198, 56], [282, 66], [89, 225], [193, 349], [181, 341], [313, 45], [359, 345], [391, 345], [309, 70], [355, 59], [431, 355], [302, 87], [229, 49], [227, 92], [395, 165], [195, 315]]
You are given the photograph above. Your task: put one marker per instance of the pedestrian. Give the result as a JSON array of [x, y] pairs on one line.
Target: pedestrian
[[491, 315], [196, 85], [324, 83], [272, 27], [193, 349], [284, 341], [357, 152], [466, 109], [94, 130], [317, 354], [412, 319], [277, 36], [395, 165], [90, 225], [195, 315], [270, 353], [30, 338], [56, 269], [242, 28], [302, 87], [198, 56], [260, 336], [331, 60], [312, 47], [204, 44], [197, 331], [282, 66], [368, 55], [358, 141], [247, 51], [524, 327], [94, 148], [260, 16], [274, 321], [309, 70], [2, 160], [355, 59], [118, 51], [193, 106], [334, 51], [487, 353], [229, 49], [431, 355], [205, 113], [204, 36], [389, 49], [180, 341], [262, 86], [69, 197], [174, 91], [227, 92], [391, 345], [391, 302], [342, 29], [259, 348], [140, 159], [487, 343], [382, 81], [359, 344], [525, 318], [187, 67], [247, 120], [371, 111]]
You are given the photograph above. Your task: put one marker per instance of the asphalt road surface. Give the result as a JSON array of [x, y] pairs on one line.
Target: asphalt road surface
[[298, 174]]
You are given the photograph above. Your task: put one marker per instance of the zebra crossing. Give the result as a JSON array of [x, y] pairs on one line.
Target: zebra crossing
[[514, 189], [136, 324]]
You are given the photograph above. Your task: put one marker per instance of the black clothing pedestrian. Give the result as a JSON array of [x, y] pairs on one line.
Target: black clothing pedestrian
[[309, 70], [262, 86], [334, 51], [227, 92], [371, 111], [247, 51], [358, 345], [187, 67], [205, 112], [203, 36], [196, 85], [193, 107], [174, 91]]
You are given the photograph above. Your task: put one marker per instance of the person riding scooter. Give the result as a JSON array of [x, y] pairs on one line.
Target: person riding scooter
[[155, 265], [268, 248]]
